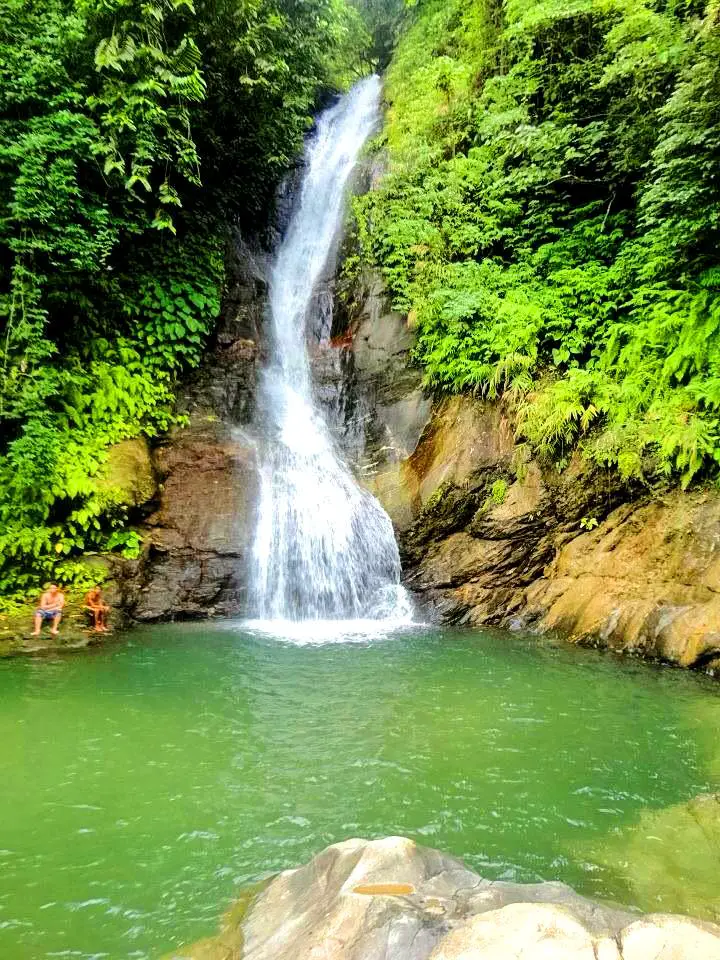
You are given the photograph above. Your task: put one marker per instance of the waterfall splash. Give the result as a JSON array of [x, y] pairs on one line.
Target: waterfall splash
[[324, 548]]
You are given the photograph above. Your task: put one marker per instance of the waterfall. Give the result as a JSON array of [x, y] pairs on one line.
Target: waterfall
[[324, 548]]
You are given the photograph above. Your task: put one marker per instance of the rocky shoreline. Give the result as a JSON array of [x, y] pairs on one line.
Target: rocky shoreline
[[495, 538], [391, 899]]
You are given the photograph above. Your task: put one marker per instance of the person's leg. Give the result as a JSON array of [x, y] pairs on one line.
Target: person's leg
[[97, 614], [38, 625], [55, 624]]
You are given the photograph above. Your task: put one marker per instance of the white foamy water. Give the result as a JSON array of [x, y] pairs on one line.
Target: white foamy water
[[306, 633], [324, 548]]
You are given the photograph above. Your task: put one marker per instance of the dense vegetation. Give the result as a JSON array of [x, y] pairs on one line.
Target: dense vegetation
[[131, 132], [551, 219]]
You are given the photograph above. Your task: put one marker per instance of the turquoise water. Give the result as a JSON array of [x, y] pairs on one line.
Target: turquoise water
[[143, 783]]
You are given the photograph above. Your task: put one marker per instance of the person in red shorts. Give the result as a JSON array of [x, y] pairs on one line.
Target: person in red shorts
[[98, 609]]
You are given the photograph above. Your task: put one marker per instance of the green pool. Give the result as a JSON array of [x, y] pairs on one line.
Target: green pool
[[143, 783]]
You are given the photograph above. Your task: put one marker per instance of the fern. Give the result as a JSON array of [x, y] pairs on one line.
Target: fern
[[551, 217]]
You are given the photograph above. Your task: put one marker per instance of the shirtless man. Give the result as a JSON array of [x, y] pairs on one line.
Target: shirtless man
[[51, 607], [98, 609]]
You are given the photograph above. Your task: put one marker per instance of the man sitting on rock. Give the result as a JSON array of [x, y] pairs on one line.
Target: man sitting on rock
[[51, 606], [98, 609]]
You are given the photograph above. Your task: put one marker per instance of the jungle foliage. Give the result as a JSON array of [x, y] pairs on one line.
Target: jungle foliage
[[131, 131], [551, 220]]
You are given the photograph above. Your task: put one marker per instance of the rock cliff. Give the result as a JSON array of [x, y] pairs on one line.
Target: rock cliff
[[392, 900], [491, 536], [497, 538], [198, 528]]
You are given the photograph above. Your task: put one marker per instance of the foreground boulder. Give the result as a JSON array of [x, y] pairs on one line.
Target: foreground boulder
[[393, 900]]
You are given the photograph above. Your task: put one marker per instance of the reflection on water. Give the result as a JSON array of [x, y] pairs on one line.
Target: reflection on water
[[142, 784], [668, 861]]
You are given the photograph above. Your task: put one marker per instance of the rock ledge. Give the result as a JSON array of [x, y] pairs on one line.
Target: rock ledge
[[353, 902]]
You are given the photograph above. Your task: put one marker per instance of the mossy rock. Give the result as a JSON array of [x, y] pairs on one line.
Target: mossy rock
[[128, 476], [228, 944], [671, 856]]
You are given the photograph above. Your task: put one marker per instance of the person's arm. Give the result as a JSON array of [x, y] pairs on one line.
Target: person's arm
[[61, 601]]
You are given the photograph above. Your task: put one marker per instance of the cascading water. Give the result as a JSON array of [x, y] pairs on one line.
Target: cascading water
[[324, 548]]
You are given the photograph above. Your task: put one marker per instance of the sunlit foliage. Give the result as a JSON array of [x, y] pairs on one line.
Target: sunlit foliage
[[551, 219]]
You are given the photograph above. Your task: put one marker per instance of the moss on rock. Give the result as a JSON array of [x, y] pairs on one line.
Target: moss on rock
[[128, 477], [664, 849]]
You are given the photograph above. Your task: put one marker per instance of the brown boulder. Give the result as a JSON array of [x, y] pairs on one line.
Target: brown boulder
[[198, 541]]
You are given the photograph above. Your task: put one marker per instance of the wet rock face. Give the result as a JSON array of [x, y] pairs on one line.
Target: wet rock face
[[478, 522], [370, 392], [198, 535], [398, 408], [393, 900], [198, 540], [224, 386]]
